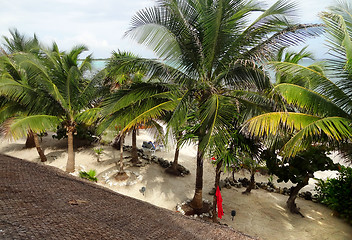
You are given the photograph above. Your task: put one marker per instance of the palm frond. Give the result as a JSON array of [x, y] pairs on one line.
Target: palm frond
[[152, 113], [270, 124], [89, 116], [335, 128], [290, 36], [318, 82], [309, 100], [149, 28], [18, 127]]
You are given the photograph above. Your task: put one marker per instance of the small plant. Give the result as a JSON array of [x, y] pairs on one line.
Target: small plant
[[90, 175], [270, 178], [336, 193], [98, 151]]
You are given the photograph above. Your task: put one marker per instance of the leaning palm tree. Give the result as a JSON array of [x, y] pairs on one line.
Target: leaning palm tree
[[15, 44], [64, 93], [209, 48], [323, 106], [12, 71]]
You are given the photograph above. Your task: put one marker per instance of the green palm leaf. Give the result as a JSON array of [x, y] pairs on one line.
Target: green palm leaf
[[18, 127], [270, 124], [309, 100], [318, 82], [335, 128]]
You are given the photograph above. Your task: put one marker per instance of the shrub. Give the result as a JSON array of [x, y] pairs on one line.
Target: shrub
[[336, 193], [83, 132], [90, 175]]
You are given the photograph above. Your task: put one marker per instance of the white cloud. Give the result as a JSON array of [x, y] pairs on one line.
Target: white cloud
[[98, 24]]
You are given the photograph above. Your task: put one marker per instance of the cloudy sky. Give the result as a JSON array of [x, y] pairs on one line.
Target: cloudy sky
[[100, 24]]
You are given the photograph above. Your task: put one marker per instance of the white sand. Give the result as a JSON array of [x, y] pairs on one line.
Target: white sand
[[261, 214]]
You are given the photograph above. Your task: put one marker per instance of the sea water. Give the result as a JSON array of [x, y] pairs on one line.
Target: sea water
[[99, 64]]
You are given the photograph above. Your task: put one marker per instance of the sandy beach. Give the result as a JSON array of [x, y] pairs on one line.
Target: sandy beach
[[260, 214]]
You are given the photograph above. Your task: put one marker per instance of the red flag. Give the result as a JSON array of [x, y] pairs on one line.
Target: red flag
[[219, 202]]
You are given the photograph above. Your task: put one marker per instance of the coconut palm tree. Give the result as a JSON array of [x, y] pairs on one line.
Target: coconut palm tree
[[19, 43], [323, 105], [124, 83], [64, 94], [209, 48], [13, 74]]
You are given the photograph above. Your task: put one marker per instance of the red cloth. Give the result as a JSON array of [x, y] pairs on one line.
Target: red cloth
[[219, 202]]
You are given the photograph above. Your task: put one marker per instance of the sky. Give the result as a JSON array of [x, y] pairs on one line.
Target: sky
[[100, 25]]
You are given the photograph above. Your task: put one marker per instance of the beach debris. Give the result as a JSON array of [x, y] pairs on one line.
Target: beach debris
[[233, 214], [77, 202], [142, 190]]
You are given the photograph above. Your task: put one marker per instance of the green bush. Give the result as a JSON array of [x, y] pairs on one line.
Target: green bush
[[336, 193], [89, 175], [83, 132]]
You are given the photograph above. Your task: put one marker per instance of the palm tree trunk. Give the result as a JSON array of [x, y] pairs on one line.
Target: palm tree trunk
[[134, 151], [116, 142], [175, 162], [293, 195], [217, 181], [39, 149], [197, 201], [251, 183], [177, 152], [30, 140], [121, 153], [70, 167]]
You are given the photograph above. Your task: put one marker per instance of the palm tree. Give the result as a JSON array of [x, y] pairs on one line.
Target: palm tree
[[323, 105], [122, 80], [209, 49], [64, 94], [19, 43], [13, 74]]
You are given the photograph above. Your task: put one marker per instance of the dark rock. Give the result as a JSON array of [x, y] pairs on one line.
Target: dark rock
[[164, 163], [307, 196], [285, 191], [127, 148], [222, 184], [212, 192], [244, 181], [182, 169]]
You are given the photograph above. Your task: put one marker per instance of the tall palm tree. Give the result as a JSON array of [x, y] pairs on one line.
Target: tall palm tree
[[125, 82], [209, 48], [64, 94], [323, 106]]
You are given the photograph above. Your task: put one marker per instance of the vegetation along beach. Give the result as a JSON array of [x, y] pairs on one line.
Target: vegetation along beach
[[231, 124]]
